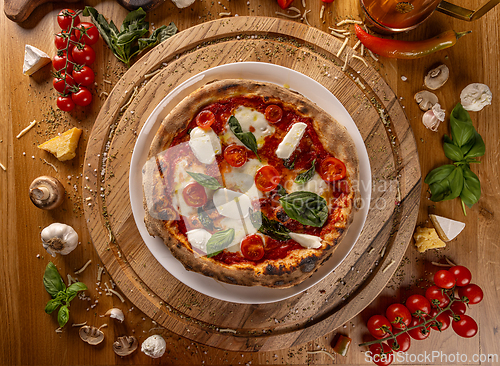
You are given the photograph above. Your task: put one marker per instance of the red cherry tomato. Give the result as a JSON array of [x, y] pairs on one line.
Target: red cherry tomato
[[402, 343], [194, 194], [82, 97], [61, 86], [472, 293], [273, 113], [59, 62], [379, 326], [465, 327], [61, 40], [461, 274], [381, 354], [437, 297], [65, 104], [457, 308], [205, 119], [83, 55], [235, 155], [332, 169], [420, 332], [327, 1], [284, 3], [398, 315], [252, 247], [64, 18], [444, 279], [442, 321], [87, 33], [83, 75], [267, 178], [417, 304]]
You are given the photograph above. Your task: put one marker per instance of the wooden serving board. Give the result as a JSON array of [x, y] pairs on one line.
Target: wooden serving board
[[342, 294]]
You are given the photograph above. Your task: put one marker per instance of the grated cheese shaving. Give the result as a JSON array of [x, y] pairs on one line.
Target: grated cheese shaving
[[130, 100], [59, 330], [227, 330], [356, 45], [362, 49], [371, 250], [322, 12], [84, 267], [103, 93], [292, 8], [449, 261], [342, 47], [30, 126], [71, 280], [349, 21], [304, 17], [344, 68], [366, 64], [103, 326], [117, 294], [339, 35], [372, 55], [338, 30], [50, 164], [323, 352], [79, 324], [99, 273], [303, 3], [107, 81], [357, 81], [3, 167], [225, 14], [153, 73], [388, 266]]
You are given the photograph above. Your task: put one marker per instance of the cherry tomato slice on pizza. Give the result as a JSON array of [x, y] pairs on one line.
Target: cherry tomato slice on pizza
[[332, 169], [194, 194], [235, 155], [267, 178], [273, 113], [205, 119], [252, 247]]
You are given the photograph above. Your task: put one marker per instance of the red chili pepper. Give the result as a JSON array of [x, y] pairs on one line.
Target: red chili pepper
[[407, 49], [284, 3], [342, 345], [327, 1]]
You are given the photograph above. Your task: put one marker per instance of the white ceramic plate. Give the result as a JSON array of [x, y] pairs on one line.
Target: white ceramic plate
[[258, 71]]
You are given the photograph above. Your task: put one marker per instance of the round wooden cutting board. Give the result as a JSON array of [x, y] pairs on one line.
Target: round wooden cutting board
[[396, 185]]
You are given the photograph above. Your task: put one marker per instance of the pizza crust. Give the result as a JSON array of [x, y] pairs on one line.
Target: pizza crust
[[299, 264]]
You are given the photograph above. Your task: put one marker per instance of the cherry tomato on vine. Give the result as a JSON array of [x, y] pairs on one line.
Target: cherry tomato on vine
[[82, 97], [327, 1], [417, 304], [252, 247], [461, 274], [457, 308], [205, 119], [381, 354], [235, 155], [465, 327], [421, 332], [284, 3], [194, 194], [59, 62], [472, 292], [273, 113], [443, 319], [398, 315], [332, 169], [379, 326], [61, 86], [444, 279], [65, 104], [83, 75], [64, 18], [61, 40], [437, 295], [267, 178], [403, 343], [87, 33], [83, 55]]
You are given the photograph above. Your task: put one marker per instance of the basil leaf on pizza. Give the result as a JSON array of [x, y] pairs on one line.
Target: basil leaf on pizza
[[306, 176], [247, 138], [219, 241], [272, 228], [306, 207], [205, 180]]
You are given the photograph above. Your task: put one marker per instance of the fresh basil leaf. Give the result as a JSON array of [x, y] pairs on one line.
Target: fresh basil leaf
[[280, 190], [462, 130], [63, 315], [219, 241], [438, 174], [107, 31], [247, 138], [134, 18], [205, 180], [306, 207], [478, 149], [73, 290], [127, 37], [472, 188], [52, 280], [452, 152], [52, 305], [289, 163], [271, 228], [439, 190], [306, 176], [456, 183], [448, 187], [205, 219], [158, 36]]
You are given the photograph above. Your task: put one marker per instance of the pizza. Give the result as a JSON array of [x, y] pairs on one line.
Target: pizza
[[250, 183]]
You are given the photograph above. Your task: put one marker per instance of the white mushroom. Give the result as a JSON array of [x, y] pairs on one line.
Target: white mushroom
[[115, 313], [433, 117], [437, 77], [91, 335], [46, 192], [475, 96], [125, 345], [425, 99], [182, 3]]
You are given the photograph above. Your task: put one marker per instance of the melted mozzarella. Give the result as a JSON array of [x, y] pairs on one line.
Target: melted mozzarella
[[232, 204], [198, 238], [242, 179], [205, 144], [291, 140], [242, 228], [315, 185], [306, 240], [250, 121]]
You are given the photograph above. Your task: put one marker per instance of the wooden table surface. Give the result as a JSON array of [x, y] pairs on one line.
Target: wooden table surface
[[29, 335]]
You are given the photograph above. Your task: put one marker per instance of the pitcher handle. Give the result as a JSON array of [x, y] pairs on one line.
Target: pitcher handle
[[465, 14]]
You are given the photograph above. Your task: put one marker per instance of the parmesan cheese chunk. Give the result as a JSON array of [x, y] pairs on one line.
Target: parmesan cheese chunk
[[291, 140], [427, 238], [63, 147], [447, 229]]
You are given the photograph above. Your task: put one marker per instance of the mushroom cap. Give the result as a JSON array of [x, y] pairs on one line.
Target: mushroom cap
[[437, 77], [426, 99], [46, 192], [125, 345], [91, 335]]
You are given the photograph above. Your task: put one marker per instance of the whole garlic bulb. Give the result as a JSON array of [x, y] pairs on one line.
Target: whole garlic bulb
[[59, 238]]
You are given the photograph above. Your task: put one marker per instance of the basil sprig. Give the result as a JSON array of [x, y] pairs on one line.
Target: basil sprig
[[206, 181], [306, 207], [272, 228], [129, 41], [306, 176], [61, 295], [219, 241], [205, 219], [247, 138], [457, 180]]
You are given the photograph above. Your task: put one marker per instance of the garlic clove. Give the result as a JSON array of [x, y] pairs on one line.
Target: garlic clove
[[430, 120], [115, 313]]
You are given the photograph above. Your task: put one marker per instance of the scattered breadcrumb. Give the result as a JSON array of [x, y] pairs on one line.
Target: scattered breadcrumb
[[84, 267], [342, 47], [30, 126]]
